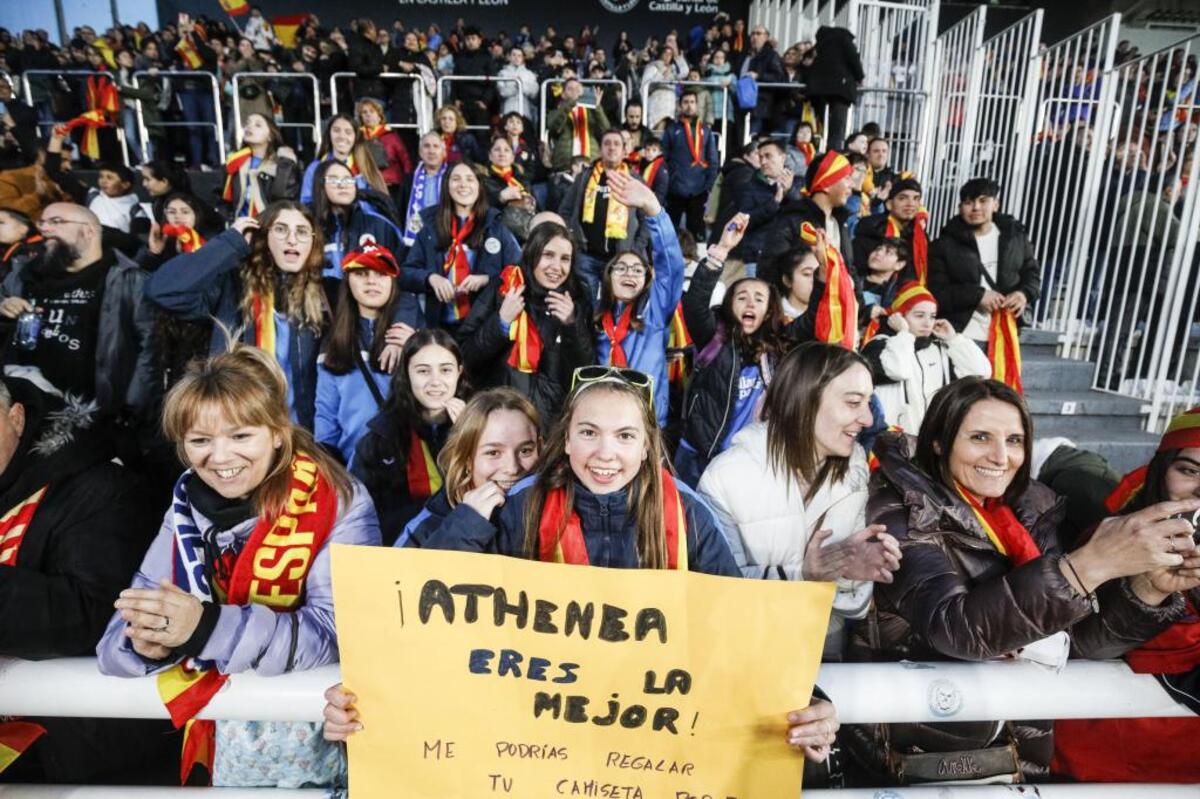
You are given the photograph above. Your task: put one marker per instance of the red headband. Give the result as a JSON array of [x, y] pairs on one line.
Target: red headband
[[909, 296], [832, 168], [1183, 431], [373, 257]]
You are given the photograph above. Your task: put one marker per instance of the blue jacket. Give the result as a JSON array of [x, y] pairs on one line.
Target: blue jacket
[[251, 638], [608, 531], [205, 283], [436, 514], [345, 404], [426, 257], [689, 179], [306, 182], [364, 222], [646, 349]]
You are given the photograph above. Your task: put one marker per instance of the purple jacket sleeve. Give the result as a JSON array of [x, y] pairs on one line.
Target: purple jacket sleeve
[[254, 637]]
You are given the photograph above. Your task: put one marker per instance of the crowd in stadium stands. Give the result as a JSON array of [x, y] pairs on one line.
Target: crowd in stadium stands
[[607, 347]]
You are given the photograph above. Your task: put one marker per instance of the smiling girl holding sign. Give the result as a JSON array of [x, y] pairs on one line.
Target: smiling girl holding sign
[[259, 492]]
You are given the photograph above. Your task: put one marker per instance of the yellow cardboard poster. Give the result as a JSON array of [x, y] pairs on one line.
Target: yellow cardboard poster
[[480, 675]]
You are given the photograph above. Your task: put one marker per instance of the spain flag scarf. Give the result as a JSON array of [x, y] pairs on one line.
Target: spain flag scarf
[[526, 352], [837, 312], [295, 536], [580, 141], [234, 165], [1002, 527], [920, 242], [372, 132], [650, 171], [424, 479], [262, 307], [186, 238], [616, 218], [508, 176], [90, 121], [695, 141], [616, 333], [679, 340], [457, 265], [561, 539], [1004, 348], [187, 51]]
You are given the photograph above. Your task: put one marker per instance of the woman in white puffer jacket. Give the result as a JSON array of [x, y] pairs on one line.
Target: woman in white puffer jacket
[[791, 490]]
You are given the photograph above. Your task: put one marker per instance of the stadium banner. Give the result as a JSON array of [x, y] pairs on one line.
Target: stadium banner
[[639, 18], [485, 675]]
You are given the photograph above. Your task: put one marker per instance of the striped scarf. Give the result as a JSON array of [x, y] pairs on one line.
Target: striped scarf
[[1004, 349], [616, 219], [457, 266], [424, 479], [526, 352], [837, 312]]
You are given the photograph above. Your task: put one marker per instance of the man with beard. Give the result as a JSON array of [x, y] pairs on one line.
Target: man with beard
[[690, 152], [982, 261], [73, 528], [95, 327]]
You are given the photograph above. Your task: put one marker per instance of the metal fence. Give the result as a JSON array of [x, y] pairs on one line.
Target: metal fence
[[445, 80], [217, 125], [544, 98], [275, 77], [56, 75], [422, 108]]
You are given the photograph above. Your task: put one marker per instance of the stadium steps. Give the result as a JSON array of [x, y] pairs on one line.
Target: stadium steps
[[1063, 403]]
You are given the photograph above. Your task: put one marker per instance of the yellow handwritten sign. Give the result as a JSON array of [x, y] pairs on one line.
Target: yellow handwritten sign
[[480, 675]]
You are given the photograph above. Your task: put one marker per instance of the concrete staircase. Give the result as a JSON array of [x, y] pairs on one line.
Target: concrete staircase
[[1063, 403]]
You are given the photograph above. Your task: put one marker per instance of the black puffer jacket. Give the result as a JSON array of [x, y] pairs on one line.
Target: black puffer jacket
[[836, 69], [565, 347], [955, 268], [955, 596]]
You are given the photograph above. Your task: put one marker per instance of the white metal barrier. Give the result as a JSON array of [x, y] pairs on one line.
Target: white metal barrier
[[445, 80], [265, 77], [723, 137], [82, 73], [958, 73], [421, 105], [217, 125], [543, 99]]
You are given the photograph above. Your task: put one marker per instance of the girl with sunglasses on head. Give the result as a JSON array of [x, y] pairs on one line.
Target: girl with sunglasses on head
[[532, 328], [262, 279], [638, 299], [494, 443], [461, 248], [342, 142], [351, 384], [396, 457]]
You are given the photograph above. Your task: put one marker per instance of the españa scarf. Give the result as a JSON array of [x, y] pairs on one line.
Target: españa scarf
[[561, 540], [616, 220], [294, 536], [237, 167], [424, 479], [616, 333], [580, 141], [1182, 433], [1003, 528], [186, 238], [837, 312], [457, 266], [526, 350], [678, 341], [920, 242], [1004, 349], [695, 141]]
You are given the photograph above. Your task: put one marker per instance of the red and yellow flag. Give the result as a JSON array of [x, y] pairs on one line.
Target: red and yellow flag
[[92, 120], [678, 340], [186, 238], [233, 165], [286, 26], [837, 313], [235, 8], [526, 352], [1004, 348], [187, 51], [15, 738]]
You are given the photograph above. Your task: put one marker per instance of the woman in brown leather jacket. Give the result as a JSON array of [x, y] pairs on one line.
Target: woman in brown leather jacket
[[982, 577]]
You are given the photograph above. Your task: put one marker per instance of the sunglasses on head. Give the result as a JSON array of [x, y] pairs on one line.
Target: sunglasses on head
[[588, 375]]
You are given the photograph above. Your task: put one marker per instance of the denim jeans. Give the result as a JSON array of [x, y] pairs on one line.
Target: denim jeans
[[197, 106]]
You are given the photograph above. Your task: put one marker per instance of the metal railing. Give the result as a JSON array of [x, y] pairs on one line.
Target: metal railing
[[723, 138], [424, 114], [544, 90], [445, 80], [273, 77], [84, 73], [795, 87], [217, 125]]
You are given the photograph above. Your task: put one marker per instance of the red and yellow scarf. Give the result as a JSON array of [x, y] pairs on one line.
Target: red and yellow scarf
[[457, 266], [235, 164], [807, 150], [560, 538], [833, 167], [616, 333], [695, 141], [1003, 528], [508, 175], [186, 238], [262, 307], [372, 132], [424, 479], [650, 171], [616, 219], [837, 312], [678, 341], [91, 121], [526, 352], [1004, 348], [187, 51], [580, 139], [920, 242], [295, 536]]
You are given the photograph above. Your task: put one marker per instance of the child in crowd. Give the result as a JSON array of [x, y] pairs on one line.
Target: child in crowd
[[880, 284]]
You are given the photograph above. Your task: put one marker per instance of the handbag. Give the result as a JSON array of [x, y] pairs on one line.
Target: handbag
[[747, 92]]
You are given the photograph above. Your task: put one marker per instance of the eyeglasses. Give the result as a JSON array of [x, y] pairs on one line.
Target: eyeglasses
[[589, 375], [56, 221], [340, 181], [634, 270], [281, 231]]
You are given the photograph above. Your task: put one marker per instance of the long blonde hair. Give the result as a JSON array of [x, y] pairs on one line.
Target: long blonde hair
[[249, 389], [458, 453], [645, 495], [304, 298]]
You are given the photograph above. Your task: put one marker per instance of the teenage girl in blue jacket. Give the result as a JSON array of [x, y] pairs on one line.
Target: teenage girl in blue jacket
[[637, 299], [351, 382]]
